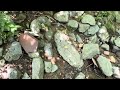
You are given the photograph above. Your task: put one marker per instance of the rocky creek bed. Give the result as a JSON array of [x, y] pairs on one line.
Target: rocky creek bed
[[62, 45]]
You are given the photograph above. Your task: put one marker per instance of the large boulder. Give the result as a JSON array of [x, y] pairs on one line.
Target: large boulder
[[67, 51]]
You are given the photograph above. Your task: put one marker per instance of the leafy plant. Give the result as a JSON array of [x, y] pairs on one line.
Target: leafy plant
[[7, 26], [107, 18]]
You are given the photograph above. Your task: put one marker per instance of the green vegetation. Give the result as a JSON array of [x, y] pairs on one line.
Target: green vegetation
[[7, 26]]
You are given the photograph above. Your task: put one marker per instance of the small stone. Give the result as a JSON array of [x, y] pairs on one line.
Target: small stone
[[83, 27], [103, 34], [90, 50], [106, 53], [115, 49], [28, 42], [76, 13], [35, 26], [105, 65], [62, 16], [80, 76], [112, 40], [26, 76], [14, 74], [33, 55], [1, 52], [14, 52], [116, 72], [48, 50], [79, 39], [49, 67], [117, 41], [105, 47], [93, 30], [72, 36], [73, 24], [48, 35], [37, 68], [89, 19], [41, 43], [118, 54], [2, 62], [93, 39]]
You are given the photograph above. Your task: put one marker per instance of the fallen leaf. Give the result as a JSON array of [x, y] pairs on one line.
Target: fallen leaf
[[81, 45], [53, 60], [94, 62], [112, 59]]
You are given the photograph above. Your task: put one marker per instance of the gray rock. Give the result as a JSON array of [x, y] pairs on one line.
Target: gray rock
[[41, 43], [72, 36], [26, 76], [115, 48], [118, 54], [112, 40], [117, 41], [118, 31], [105, 47], [44, 20], [103, 34], [105, 65], [90, 50], [93, 30], [1, 41], [14, 74], [73, 24], [37, 68], [49, 67], [49, 35], [67, 51], [80, 76], [76, 13], [79, 39], [62, 16], [35, 26], [48, 49], [2, 62], [89, 19], [93, 39], [83, 27], [1, 52], [33, 55], [14, 52], [116, 72]]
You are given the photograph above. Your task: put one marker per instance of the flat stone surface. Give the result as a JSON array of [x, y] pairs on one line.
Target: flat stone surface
[[28, 42]]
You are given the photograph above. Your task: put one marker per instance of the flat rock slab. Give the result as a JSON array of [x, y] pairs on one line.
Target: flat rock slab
[[28, 42], [105, 65], [90, 50], [37, 68], [67, 51]]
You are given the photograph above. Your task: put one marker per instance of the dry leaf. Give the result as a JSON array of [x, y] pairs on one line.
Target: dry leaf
[[94, 62], [81, 45], [53, 60], [112, 59]]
